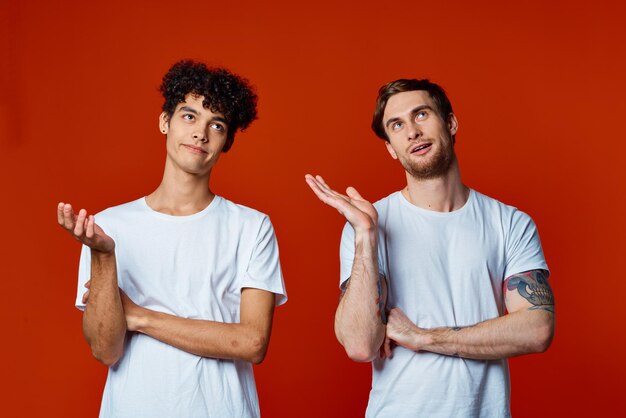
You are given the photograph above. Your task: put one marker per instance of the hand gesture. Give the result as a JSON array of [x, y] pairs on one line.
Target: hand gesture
[[84, 228], [401, 331], [86, 294], [358, 211]]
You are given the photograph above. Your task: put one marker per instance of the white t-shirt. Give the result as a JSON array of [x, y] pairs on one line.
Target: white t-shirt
[[445, 269], [193, 267]]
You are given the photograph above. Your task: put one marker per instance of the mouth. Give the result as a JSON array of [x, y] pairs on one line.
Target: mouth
[[196, 150], [420, 149]]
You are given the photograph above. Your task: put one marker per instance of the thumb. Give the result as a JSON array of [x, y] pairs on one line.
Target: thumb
[[353, 194]]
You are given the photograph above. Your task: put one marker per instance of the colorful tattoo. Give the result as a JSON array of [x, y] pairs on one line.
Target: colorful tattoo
[[533, 286]]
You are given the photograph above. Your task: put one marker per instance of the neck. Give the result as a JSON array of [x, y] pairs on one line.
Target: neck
[[441, 194], [181, 193]]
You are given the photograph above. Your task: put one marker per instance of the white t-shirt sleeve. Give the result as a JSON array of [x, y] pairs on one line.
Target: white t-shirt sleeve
[[523, 247], [346, 254], [264, 268], [84, 272]]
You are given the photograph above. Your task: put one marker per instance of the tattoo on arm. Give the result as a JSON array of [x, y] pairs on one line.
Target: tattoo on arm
[[381, 300], [460, 328], [533, 286]]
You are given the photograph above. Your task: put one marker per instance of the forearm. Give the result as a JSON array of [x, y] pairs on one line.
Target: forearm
[[104, 325], [358, 324], [205, 338], [521, 332]]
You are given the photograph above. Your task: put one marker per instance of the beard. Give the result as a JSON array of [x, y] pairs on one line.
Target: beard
[[434, 166]]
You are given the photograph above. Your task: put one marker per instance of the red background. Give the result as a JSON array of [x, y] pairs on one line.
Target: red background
[[538, 88]]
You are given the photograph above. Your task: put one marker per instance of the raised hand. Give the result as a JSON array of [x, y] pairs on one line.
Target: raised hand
[[358, 211], [84, 228]]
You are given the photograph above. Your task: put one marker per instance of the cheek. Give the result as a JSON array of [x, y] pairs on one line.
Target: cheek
[[391, 150]]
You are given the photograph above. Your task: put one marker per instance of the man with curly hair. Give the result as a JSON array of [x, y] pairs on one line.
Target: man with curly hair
[[182, 283], [441, 284]]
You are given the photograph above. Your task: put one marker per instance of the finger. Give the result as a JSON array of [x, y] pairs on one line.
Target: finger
[[90, 226], [86, 297], [68, 217], [323, 185], [387, 348], [79, 228], [353, 193], [60, 213], [323, 195], [310, 180], [88, 284]]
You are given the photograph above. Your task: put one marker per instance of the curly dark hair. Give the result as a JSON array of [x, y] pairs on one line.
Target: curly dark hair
[[223, 92]]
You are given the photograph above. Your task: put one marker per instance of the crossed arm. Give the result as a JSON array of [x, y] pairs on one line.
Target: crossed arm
[[109, 312], [527, 328]]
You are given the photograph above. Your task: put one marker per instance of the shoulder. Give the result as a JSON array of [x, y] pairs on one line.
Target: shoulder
[[240, 211], [509, 215], [242, 217], [119, 211], [387, 201]]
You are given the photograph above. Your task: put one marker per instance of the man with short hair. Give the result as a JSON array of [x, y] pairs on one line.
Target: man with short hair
[[182, 284], [463, 275]]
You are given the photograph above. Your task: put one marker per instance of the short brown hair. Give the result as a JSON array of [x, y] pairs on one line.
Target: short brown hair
[[435, 91]]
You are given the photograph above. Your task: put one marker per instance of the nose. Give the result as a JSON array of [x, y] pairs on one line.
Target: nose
[[200, 136], [413, 131]]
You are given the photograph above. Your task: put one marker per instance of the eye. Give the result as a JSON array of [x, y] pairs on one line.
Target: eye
[[421, 115], [396, 125], [188, 116], [218, 127]]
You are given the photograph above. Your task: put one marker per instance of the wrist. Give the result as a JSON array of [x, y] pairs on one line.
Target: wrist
[[367, 236], [102, 255], [423, 339], [142, 319]]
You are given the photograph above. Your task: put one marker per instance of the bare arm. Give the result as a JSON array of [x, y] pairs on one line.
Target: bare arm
[[527, 328], [104, 326], [358, 324], [247, 340]]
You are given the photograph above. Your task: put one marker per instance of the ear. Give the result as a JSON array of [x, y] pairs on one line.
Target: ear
[[164, 123], [453, 124], [391, 151]]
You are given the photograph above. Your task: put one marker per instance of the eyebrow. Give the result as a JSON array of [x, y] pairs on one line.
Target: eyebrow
[[413, 111], [219, 119], [188, 109]]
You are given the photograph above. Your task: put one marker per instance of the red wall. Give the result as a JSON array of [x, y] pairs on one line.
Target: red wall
[[538, 88]]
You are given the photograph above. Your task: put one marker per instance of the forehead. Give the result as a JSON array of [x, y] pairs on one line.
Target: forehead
[[402, 104], [194, 102]]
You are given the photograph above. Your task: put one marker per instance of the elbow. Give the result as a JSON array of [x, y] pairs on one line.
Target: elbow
[[107, 358], [257, 349], [543, 336], [543, 339], [360, 355], [107, 355], [357, 349], [360, 352]]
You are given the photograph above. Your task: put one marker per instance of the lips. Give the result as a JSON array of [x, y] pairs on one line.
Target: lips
[[420, 149], [193, 149]]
